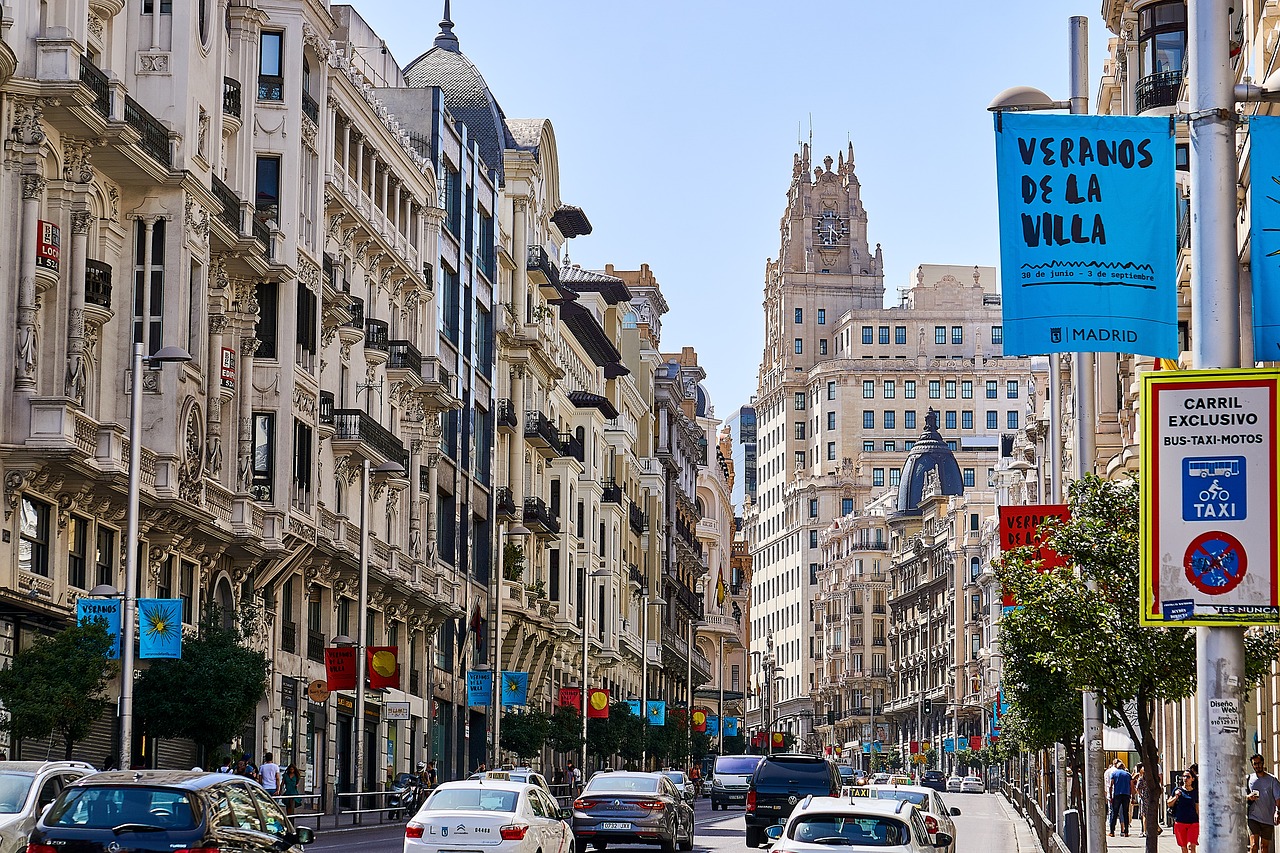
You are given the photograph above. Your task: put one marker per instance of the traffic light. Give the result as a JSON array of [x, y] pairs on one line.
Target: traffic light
[[928, 706]]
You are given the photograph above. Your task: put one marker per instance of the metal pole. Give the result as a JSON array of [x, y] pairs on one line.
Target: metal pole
[[362, 630], [644, 673], [128, 628], [586, 603], [720, 710], [688, 695], [1215, 315], [497, 648]]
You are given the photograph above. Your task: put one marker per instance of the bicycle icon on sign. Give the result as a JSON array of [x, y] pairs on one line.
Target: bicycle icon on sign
[[1216, 491]]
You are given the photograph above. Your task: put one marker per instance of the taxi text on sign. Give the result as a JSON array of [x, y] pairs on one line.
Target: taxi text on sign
[[1209, 508]]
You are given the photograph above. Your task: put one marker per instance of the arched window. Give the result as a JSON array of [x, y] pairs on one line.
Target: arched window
[[975, 568], [629, 320]]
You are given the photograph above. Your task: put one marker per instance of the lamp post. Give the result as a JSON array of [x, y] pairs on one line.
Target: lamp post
[[128, 628], [503, 533], [644, 666], [586, 691], [694, 625]]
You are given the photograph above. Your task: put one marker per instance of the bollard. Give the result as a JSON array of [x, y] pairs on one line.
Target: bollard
[[1071, 830]]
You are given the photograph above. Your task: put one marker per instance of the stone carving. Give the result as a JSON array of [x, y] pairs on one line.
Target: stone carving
[[202, 135], [314, 40], [213, 454], [309, 133], [113, 198], [95, 26], [153, 62], [28, 124], [308, 273], [33, 186], [76, 156], [197, 220]]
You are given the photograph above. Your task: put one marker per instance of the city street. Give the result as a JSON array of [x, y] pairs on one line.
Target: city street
[[985, 824]]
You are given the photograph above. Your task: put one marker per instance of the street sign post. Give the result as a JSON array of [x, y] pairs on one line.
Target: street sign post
[[1210, 510]]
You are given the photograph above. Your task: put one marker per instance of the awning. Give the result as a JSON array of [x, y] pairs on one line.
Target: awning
[[571, 221], [584, 326], [587, 400]]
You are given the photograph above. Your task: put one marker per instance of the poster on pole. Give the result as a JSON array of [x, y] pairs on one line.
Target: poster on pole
[[1087, 225], [1264, 222], [1209, 505], [106, 609], [1020, 526]]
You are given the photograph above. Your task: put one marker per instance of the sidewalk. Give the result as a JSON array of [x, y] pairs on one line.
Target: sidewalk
[[1138, 842]]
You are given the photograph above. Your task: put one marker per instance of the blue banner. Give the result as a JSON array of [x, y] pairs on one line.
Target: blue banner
[[106, 609], [1087, 234], [633, 705], [949, 745], [159, 628], [713, 725], [1264, 222], [730, 726], [479, 687], [657, 713], [515, 689]]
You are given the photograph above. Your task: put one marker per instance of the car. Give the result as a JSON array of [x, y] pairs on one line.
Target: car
[[880, 779], [779, 782], [848, 775], [622, 807], [521, 774], [937, 815], [26, 787], [500, 815], [866, 825], [683, 784], [954, 783], [899, 779], [934, 779], [730, 778], [972, 785], [166, 810]]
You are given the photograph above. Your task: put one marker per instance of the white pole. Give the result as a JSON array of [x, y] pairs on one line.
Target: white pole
[[644, 673], [720, 678], [128, 627], [586, 691], [362, 629], [1215, 316], [496, 699]]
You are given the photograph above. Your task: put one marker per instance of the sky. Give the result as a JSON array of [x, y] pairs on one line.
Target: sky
[[676, 122]]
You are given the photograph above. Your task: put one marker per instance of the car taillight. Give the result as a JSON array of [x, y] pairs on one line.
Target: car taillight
[[198, 850], [584, 804], [41, 848], [931, 823], [751, 801], [652, 805], [514, 831], [414, 830]]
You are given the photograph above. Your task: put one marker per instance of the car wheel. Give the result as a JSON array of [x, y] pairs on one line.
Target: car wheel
[[753, 836], [687, 844], [669, 846]]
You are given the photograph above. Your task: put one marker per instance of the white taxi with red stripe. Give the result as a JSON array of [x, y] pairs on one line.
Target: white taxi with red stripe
[[489, 816], [936, 813]]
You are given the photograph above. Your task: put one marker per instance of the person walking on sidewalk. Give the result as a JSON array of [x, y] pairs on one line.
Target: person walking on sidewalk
[[1184, 806], [1119, 789], [1264, 792]]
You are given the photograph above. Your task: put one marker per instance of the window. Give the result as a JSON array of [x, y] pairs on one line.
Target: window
[[166, 7], [266, 200], [154, 300], [1011, 389], [78, 553], [267, 295], [1011, 419], [993, 420], [969, 480], [889, 419], [300, 495], [993, 389], [890, 389], [935, 389], [800, 430], [895, 476], [800, 458], [846, 506], [997, 334], [890, 446], [831, 450], [799, 346], [957, 334], [966, 389], [831, 420], [800, 402], [974, 522], [799, 316], [868, 447], [899, 334], [884, 334], [270, 66], [939, 334], [1162, 46], [105, 560], [951, 389], [869, 420], [822, 346], [909, 419], [164, 584], [868, 389], [868, 335], [308, 320], [813, 507], [264, 456], [33, 537], [951, 420], [909, 389], [831, 390], [877, 476], [451, 198], [966, 419], [486, 248], [822, 316], [975, 568], [813, 539]]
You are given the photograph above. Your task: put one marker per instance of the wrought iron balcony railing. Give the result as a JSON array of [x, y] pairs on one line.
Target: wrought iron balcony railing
[[231, 97], [97, 284]]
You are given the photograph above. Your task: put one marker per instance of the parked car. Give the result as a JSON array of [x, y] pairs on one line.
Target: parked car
[[503, 816], [683, 784], [954, 783], [165, 810], [618, 807], [781, 781], [26, 787], [522, 775], [937, 815], [860, 825], [972, 785], [730, 778], [934, 779]]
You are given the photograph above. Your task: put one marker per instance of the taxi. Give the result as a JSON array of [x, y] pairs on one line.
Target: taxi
[[927, 801], [857, 825], [489, 816]]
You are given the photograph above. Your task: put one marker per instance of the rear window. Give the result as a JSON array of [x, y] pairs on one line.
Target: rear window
[[916, 798], [849, 830], [623, 783], [107, 807], [737, 765], [809, 769], [472, 799]]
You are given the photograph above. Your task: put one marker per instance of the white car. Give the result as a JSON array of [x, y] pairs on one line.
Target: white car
[[26, 787], [860, 825], [954, 783], [972, 785], [521, 774], [498, 816], [937, 815]]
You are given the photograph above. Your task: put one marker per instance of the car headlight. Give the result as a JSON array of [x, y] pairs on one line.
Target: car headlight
[[716, 783]]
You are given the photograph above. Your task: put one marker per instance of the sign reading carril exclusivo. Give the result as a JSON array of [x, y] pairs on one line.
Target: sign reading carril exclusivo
[[1087, 226]]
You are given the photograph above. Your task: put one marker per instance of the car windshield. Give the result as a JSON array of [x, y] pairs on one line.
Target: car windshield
[[850, 830], [623, 783], [472, 799], [13, 791], [676, 776], [105, 807], [972, 779], [846, 770], [742, 766], [916, 798]]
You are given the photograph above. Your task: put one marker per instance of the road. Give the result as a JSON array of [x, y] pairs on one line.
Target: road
[[984, 825]]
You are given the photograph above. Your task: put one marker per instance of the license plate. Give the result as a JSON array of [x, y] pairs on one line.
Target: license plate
[[614, 825]]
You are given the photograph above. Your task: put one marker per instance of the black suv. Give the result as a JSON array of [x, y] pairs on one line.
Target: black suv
[[781, 781], [165, 810], [934, 779]]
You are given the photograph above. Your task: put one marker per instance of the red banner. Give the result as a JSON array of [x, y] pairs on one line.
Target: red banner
[[340, 668], [598, 703], [699, 719], [778, 740], [915, 747], [758, 739], [975, 743], [1020, 527], [570, 697], [383, 667]]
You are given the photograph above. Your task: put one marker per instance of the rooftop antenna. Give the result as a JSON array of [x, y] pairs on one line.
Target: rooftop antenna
[[810, 131]]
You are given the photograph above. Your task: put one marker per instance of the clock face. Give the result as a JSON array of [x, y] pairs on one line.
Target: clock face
[[830, 229]]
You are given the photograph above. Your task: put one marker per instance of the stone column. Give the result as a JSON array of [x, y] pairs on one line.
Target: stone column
[[80, 221], [432, 435], [148, 226], [520, 247], [346, 149], [213, 401], [25, 366], [416, 448], [432, 218], [248, 346], [516, 472], [359, 175]]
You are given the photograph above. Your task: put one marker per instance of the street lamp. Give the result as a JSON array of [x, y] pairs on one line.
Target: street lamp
[[694, 625], [644, 665], [128, 630], [586, 691], [503, 533]]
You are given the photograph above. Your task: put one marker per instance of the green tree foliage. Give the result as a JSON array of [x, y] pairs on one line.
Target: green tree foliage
[[631, 732], [56, 685], [1080, 629], [735, 745], [210, 693], [564, 730], [524, 733]]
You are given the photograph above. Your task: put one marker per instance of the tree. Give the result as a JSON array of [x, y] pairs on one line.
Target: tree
[[210, 693], [564, 730], [603, 734], [56, 686], [1082, 627], [631, 732], [735, 745], [525, 733]]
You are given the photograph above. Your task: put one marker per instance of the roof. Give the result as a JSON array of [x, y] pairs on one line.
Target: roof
[[854, 805], [188, 779], [584, 326], [588, 400], [37, 766], [930, 453], [612, 288], [571, 221], [527, 133], [497, 784]]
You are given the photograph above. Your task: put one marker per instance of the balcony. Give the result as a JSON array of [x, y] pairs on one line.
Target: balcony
[[637, 519], [357, 314], [877, 641], [707, 528], [878, 608], [1184, 224], [1158, 90], [404, 356], [543, 273], [610, 492], [635, 575], [354, 426], [270, 88], [505, 415], [262, 234], [154, 135], [538, 518], [571, 447], [288, 637], [376, 334], [231, 97], [97, 82], [97, 284], [540, 432], [504, 503], [688, 599], [325, 414], [229, 215], [315, 646], [310, 108], [439, 382]]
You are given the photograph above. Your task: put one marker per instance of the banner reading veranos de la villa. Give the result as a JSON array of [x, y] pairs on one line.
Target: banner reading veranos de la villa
[[1087, 234]]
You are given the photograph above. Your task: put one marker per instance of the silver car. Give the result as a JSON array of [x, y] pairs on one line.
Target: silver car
[[632, 808], [683, 784], [26, 787]]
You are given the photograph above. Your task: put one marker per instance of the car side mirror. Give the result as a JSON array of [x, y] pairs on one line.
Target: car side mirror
[[955, 811], [566, 814], [942, 839], [303, 835], [773, 833]]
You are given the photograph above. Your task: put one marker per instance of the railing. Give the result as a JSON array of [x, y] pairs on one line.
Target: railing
[[315, 646], [1050, 841], [376, 334], [97, 284], [1184, 223], [637, 518], [571, 445], [878, 608], [539, 264], [877, 641], [154, 135], [634, 573], [404, 356], [231, 97], [310, 108], [505, 414], [537, 515], [92, 76], [325, 415], [270, 88], [262, 234], [686, 597], [610, 492], [357, 425], [538, 428], [356, 310], [1158, 90], [230, 213], [288, 637], [504, 502]]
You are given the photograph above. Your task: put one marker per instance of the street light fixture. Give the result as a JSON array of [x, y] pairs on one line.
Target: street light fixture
[[128, 630], [586, 690], [518, 530], [644, 666], [694, 625]]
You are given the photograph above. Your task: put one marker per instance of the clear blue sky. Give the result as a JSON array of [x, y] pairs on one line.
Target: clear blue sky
[[677, 119]]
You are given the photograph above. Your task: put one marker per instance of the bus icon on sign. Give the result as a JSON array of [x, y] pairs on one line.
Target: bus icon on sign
[[1228, 467], [1214, 489]]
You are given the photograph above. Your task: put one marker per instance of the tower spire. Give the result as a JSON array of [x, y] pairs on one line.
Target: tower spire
[[446, 39]]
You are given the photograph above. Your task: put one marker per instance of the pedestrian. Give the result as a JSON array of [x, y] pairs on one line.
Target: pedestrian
[[1139, 783], [1264, 794], [269, 774], [249, 770], [433, 778], [225, 765], [289, 782], [1184, 807], [570, 774], [1119, 790]]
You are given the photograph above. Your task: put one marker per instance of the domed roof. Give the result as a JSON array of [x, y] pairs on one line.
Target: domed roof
[[466, 95], [930, 453], [703, 401]]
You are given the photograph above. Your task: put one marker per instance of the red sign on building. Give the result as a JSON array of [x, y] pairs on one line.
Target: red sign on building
[[48, 245], [228, 367], [570, 697], [340, 667]]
